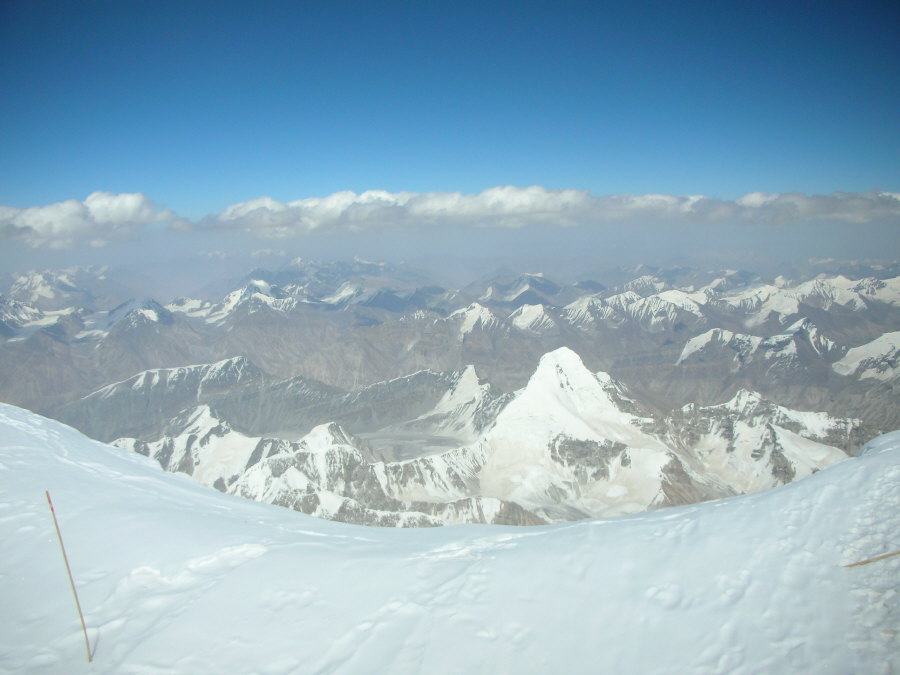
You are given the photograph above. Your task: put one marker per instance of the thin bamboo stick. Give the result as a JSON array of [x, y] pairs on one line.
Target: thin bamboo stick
[[871, 560], [87, 643]]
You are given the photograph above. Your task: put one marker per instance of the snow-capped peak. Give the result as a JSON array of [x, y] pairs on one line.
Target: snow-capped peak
[[226, 372], [645, 285], [689, 302], [254, 295], [564, 396], [464, 390], [563, 412], [474, 316], [742, 345], [34, 286], [131, 314], [16, 314], [347, 291], [324, 437], [744, 403], [878, 359], [831, 291], [260, 285], [532, 318]]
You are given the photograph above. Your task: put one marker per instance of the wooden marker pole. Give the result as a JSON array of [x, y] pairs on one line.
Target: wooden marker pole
[[875, 559], [62, 547]]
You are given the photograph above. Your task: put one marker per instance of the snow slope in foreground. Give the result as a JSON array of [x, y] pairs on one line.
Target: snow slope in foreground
[[174, 577]]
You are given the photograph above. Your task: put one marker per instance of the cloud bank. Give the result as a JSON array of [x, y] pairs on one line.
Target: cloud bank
[[514, 207], [104, 217]]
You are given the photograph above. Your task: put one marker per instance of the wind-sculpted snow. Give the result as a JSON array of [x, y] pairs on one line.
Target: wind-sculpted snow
[[175, 578]]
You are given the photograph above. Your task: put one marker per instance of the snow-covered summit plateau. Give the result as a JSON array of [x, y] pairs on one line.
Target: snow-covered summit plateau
[[176, 578]]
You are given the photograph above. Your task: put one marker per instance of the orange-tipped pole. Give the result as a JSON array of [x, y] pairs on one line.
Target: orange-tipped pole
[[87, 643]]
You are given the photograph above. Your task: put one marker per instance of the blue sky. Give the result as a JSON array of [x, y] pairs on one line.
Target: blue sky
[[203, 105]]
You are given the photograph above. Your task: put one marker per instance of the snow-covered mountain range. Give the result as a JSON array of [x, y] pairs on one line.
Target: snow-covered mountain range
[[570, 444], [364, 391], [176, 578]]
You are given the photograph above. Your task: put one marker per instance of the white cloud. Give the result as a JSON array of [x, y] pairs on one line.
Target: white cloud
[[104, 217], [504, 206], [848, 207], [514, 207], [100, 219]]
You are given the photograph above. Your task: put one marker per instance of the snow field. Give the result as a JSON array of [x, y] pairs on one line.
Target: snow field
[[174, 577]]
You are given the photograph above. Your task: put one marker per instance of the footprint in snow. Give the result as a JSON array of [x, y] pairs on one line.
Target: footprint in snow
[[147, 594], [667, 596]]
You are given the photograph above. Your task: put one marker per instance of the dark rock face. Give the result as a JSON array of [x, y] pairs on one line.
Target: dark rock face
[[589, 459]]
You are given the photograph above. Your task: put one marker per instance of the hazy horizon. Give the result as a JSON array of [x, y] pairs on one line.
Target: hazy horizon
[[194, 141]]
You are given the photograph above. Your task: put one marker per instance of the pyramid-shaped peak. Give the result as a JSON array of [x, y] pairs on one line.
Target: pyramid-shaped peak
[[472, 316], [562, 399], [324, 436], [564, 368], [746, 401], [199, 420], [563, 356], [466, 391]]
